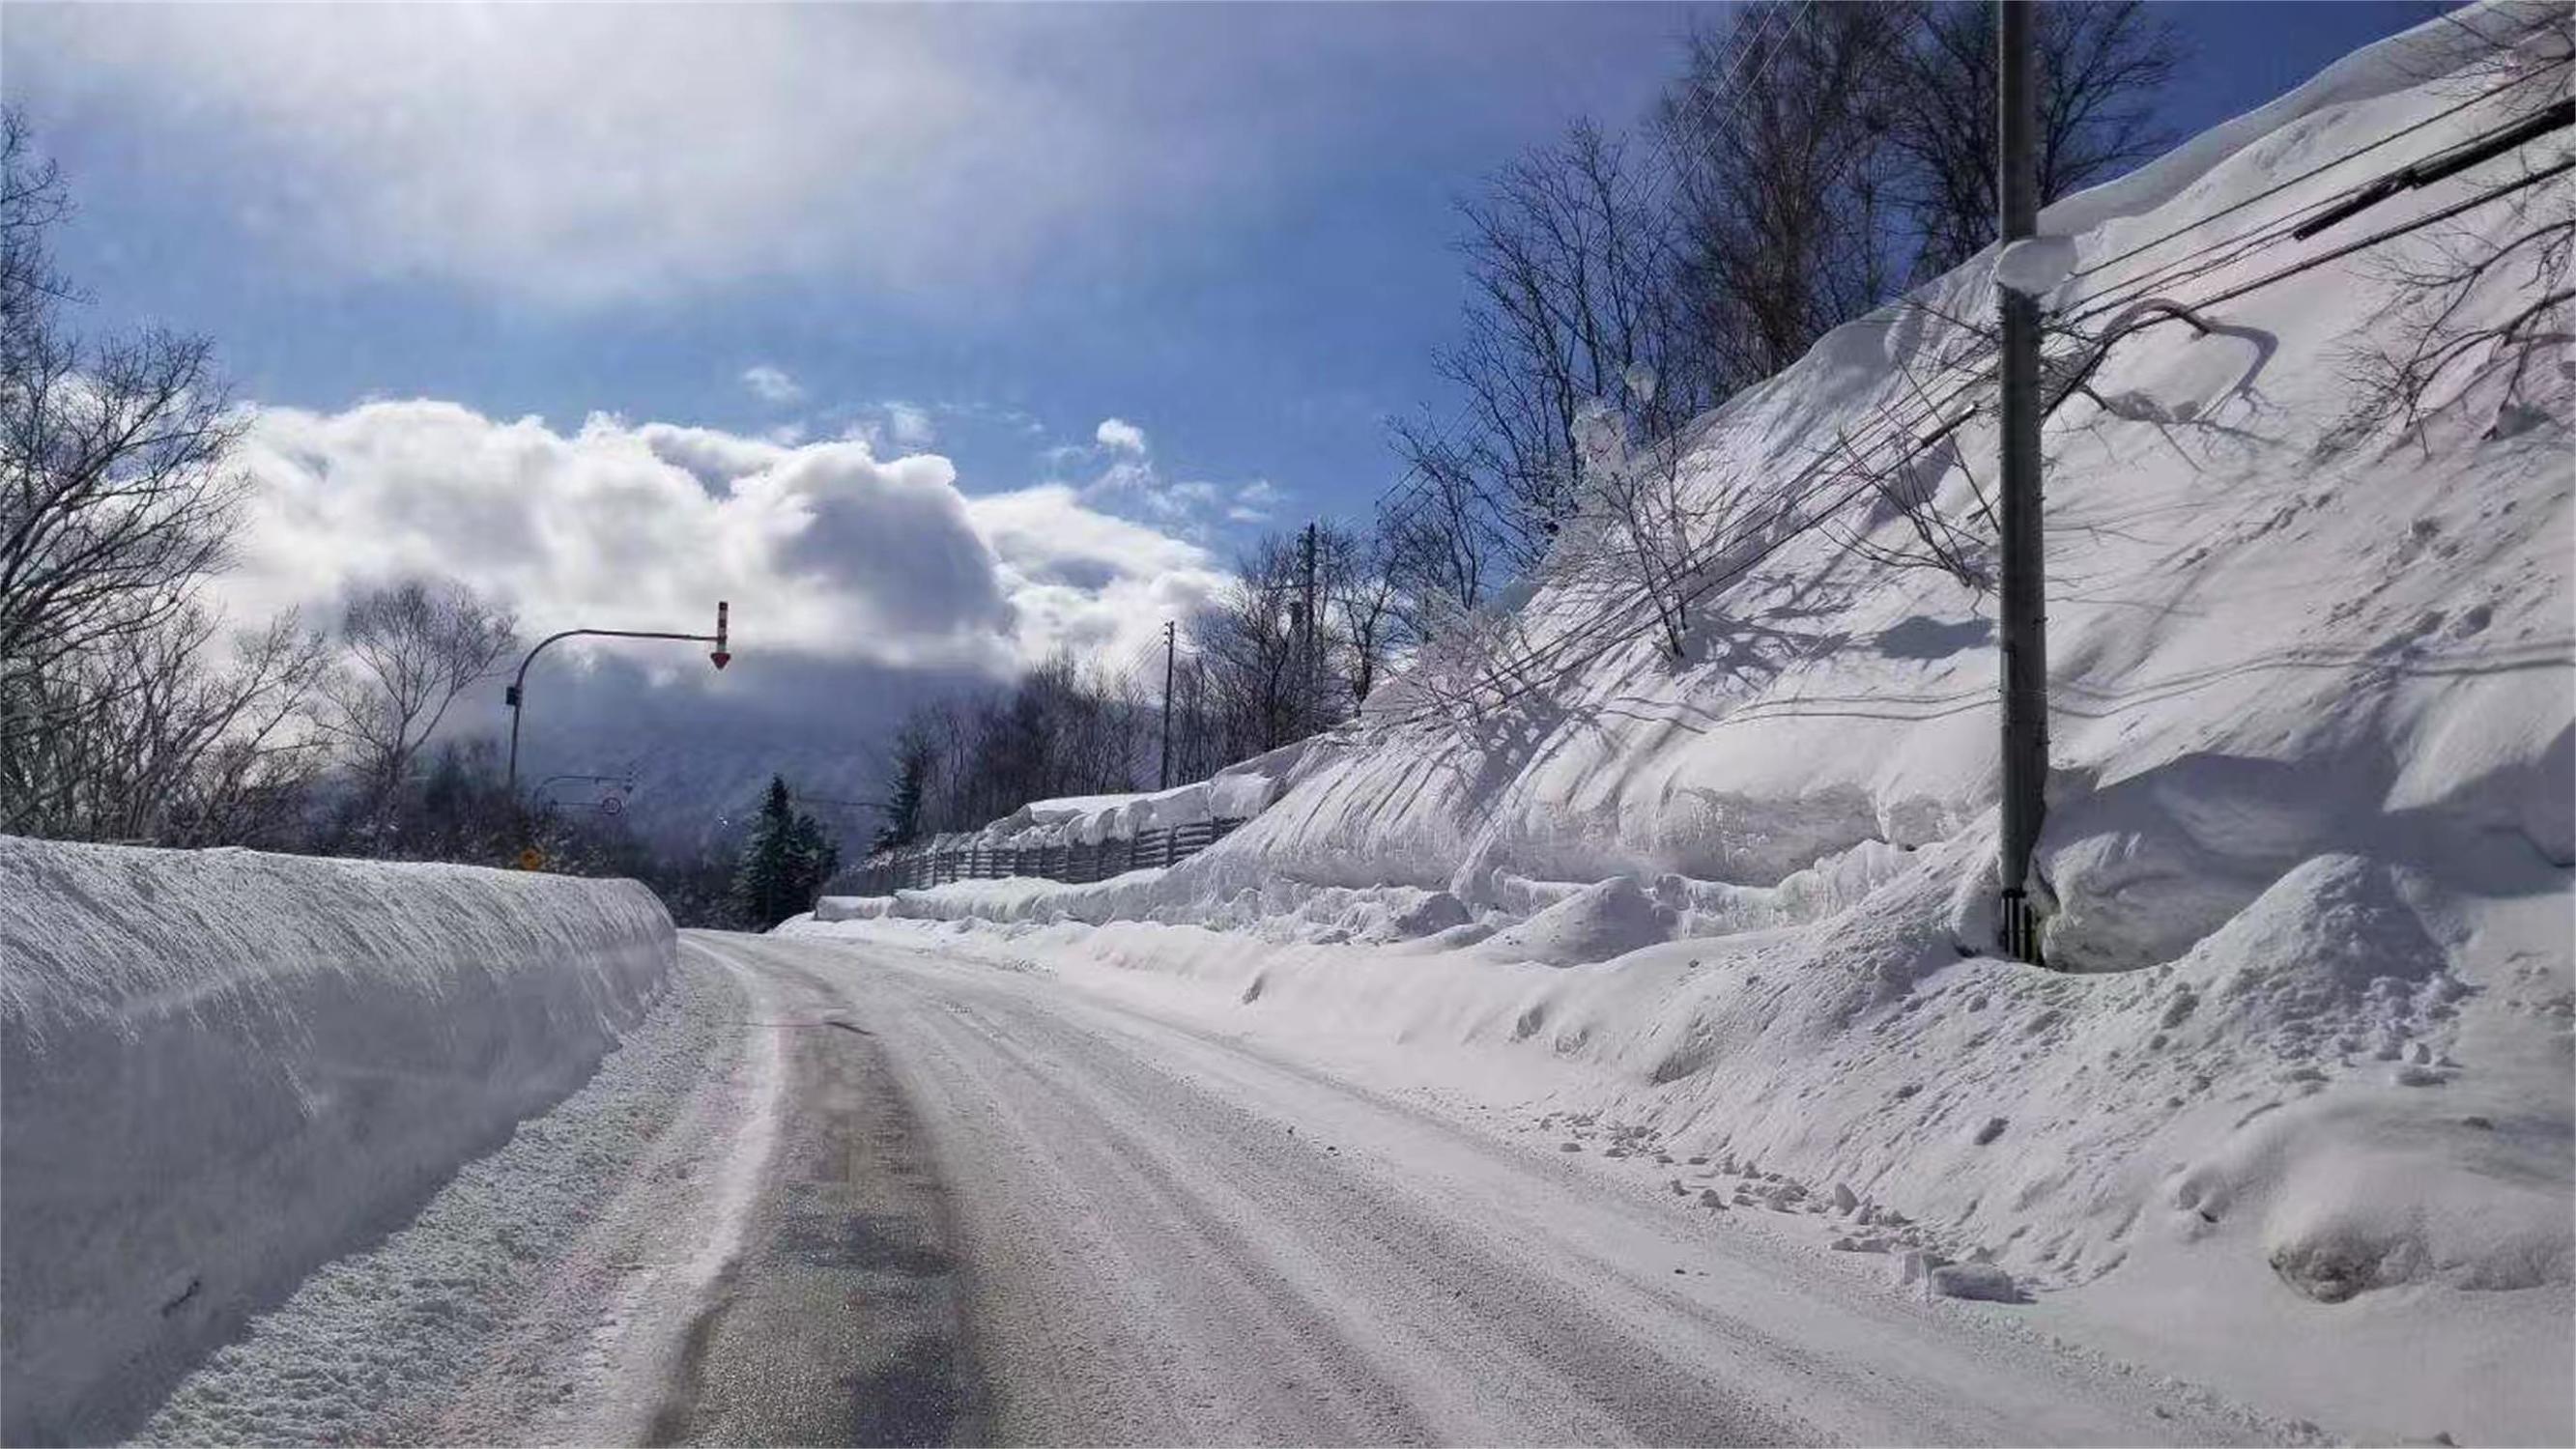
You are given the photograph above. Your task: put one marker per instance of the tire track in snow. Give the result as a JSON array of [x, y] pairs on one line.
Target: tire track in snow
[[678, 1259], [838, 1319]]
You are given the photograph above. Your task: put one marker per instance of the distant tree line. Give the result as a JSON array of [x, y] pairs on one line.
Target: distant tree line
[[1306, 626]]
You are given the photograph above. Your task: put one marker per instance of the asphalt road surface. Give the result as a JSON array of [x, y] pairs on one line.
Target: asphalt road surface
[[996, 1208]]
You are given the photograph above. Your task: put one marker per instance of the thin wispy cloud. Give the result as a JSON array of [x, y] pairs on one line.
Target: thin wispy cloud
[[1130, 480], [1254, 502], [910, 426], [771, 384], [614, 153]]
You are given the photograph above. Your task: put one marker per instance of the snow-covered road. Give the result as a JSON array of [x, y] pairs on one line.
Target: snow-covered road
[[1002, 1209]]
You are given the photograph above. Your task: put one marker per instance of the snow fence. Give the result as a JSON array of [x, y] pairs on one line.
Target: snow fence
[[221, 1069]]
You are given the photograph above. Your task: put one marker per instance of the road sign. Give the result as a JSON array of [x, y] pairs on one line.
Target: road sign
[[612, 804], [532, 859]]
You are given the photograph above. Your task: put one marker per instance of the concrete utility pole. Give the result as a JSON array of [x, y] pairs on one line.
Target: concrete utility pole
[[2025, 620], [1171, 646], [1311, 663]]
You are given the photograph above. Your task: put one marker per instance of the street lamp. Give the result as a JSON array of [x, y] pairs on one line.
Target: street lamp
[[516, 695]]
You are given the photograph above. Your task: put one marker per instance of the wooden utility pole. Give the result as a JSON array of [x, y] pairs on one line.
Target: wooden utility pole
[[2025, 620], [1170, 647]]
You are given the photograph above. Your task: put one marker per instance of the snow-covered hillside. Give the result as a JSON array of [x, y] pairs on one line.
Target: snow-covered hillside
[[223, 1069], [2294, 1115]]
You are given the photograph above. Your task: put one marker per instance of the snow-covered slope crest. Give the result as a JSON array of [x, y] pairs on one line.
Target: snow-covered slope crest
[[2306, 1088], [2272, 636], [220, 1069]]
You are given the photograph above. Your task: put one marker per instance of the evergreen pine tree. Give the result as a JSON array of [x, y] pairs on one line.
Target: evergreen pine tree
[[763, 880], [785, 863], [915, 754], [813, 859]]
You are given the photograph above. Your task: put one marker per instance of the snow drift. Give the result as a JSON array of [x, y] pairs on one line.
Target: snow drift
[[2307, 857], [224, 1068]]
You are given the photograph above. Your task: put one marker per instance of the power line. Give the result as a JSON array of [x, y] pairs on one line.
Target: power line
[[2564, 165], [2443, 166], [2269, 228], [2320, 168]]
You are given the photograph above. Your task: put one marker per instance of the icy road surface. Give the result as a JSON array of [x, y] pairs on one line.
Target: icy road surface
[[996, 1209]]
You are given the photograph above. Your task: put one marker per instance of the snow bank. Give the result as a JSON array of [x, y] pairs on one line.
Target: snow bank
[[2307, 856], [222, 1069], [374, 1347]]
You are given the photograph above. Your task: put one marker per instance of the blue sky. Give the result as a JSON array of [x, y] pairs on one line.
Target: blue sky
[[1227, 226]]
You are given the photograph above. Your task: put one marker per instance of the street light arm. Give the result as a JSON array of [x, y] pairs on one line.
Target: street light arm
[[521, 677], [517, 695]]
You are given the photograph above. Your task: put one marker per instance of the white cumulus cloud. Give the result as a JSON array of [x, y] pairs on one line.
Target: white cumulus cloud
[[1120, 436], [823, 549]]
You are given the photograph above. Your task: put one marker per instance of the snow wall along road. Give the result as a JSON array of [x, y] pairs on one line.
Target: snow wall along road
[[221, 1069]]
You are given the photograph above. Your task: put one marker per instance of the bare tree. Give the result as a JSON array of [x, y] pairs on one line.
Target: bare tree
[[1198, 743], [1644, 529], [1069, 726], [412, 648], [153, 743], [32, 200], [1570, 263], [115, 500], [1361, 618], [1776, 133], [2479, 318], [2102, 67], [2484, 315], [1437, 533], [115, 504]]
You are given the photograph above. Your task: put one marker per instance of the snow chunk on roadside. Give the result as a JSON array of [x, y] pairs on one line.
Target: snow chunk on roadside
[[1603, 920], [2333, 945], [1983, 1282]]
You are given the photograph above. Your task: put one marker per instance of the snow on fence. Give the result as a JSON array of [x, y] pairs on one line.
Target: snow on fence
[[1073, 862], [221, 1069]]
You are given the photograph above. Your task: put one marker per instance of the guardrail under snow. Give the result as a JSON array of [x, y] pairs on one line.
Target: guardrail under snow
[[1085, 838], [221, 1069], [1074, 862]]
